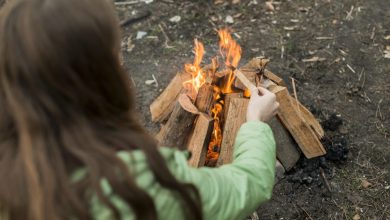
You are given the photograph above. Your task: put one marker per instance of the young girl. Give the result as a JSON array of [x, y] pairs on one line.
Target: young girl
[[70, 145]]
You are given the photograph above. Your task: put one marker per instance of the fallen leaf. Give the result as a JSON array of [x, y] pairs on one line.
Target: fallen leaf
[[356, 217], [229, 19], [269, 6], [141, 34], [149, 82], [314, 59], [217, 2], [237, 15], [236, 2], [387, 37], [303, 9], [366, 184], [175, 19]]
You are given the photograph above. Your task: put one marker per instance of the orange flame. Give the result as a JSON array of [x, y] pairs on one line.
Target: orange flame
[[231, 51], [216, 137], [198, 77], [229, 48]]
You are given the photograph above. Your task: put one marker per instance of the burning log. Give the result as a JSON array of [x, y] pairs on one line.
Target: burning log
[[200, 139], [286, 147], [305, 137], [236, 116], [179, 125], [164, 104], [205, 98]]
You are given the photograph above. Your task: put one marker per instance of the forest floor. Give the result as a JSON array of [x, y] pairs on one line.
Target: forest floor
[[347, 88]]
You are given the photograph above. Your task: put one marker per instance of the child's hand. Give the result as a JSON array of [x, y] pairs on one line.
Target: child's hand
[[262, 107]]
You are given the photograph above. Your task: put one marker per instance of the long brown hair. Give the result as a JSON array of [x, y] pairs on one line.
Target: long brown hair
[[66, 103]]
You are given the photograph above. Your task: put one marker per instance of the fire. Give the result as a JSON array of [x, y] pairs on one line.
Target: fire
[[231, 52], [229, 48], [197, 74]]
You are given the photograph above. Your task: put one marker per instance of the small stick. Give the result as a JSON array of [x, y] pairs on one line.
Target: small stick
[[166, 36], [325, 180], [295, 95], [127, 3], [248, 84], [133, 20]]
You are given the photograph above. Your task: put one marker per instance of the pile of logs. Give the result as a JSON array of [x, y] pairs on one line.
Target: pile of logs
[[188, 124]]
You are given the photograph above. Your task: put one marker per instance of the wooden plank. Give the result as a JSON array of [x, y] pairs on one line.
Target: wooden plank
[[164, 104], [228, 98], [309, 118], [235, 118], [179, 125], [305, 137], [286, 147], [205, 98], [200, 139], [274, 78]]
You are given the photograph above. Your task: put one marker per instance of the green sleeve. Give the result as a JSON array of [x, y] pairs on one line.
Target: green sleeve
[[234, 190]]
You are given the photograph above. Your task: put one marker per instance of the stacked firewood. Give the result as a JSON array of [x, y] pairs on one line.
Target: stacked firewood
[[189, 123]]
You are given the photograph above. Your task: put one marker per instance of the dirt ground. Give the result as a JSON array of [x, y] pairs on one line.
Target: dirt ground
[[348, 88]]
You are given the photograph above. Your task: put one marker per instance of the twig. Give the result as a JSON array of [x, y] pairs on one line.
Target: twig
[[349, 14], [282, 48], [127, 3], [135, 19], [325, 180], [307, 214], [350, 68], [165, 35], [378, 111], [373, 33], [324, 38], [155, 80]]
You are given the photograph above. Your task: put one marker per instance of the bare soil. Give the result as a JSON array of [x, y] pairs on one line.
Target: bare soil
[[348, 90]]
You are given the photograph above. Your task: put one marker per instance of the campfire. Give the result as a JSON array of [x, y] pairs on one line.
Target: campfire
[[204, 106]]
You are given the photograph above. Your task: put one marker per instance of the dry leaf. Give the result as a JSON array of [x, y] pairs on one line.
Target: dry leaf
[[356, 217], [314, 59], [387, 37], [237, 15], [217, 2], [236, 2], [366, 184], [149, 82], [269, 6], [229, 19], [303, 9], [175, 19]]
